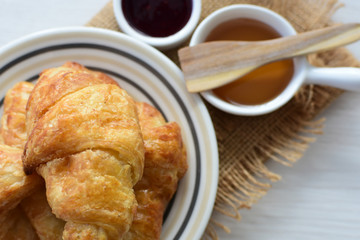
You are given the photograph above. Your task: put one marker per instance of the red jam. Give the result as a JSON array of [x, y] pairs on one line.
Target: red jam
[[157, 18]]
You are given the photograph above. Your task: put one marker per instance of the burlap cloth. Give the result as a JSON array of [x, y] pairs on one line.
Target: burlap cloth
[[245, 143]]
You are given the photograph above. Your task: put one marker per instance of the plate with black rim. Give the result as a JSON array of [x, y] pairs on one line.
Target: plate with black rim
[[147, 75]]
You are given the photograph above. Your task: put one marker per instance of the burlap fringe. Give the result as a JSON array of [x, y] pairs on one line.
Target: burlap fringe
[[250, 179]]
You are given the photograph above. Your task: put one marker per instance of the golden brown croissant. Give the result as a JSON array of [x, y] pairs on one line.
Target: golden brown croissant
[[37, 209], [13, 129], [14, 184], [15, 224], [13, 133], [165, 165], [56, 83], [85, 141]]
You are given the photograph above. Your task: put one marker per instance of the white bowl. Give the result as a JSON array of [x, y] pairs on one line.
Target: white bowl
[[148, 76], [346, 78], [280, 24], [162, 43]]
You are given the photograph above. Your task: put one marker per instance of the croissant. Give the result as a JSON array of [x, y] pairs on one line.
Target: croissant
[[14, 184], [14, 223], [13, 129], [165, 165], [84, 139], [13, 133], [55, 83], [37, 209]]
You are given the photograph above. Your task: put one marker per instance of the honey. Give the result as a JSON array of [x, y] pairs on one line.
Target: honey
[[262, 84]]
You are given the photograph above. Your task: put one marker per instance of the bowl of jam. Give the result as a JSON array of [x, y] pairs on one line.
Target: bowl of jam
[[163, 24]]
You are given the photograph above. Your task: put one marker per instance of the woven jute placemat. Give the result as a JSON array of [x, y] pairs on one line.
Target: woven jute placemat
[[245, 143]]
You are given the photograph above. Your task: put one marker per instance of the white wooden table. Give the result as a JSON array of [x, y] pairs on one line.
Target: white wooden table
[[318, 198]]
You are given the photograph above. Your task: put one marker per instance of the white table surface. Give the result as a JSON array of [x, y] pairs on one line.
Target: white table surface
[[318, 198]]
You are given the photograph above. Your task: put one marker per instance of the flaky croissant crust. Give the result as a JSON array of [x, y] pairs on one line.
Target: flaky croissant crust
[[91, 118], [14, 184], [13, 129], [55, 83], [85, 141], [165, 165]]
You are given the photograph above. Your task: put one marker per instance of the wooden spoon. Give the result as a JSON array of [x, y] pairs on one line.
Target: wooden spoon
[[213, 64]]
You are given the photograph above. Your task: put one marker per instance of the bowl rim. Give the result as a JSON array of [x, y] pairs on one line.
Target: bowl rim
[[162, 43]]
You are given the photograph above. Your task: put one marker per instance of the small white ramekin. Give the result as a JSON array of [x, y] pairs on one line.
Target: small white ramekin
[[346, 78], [161, 43]]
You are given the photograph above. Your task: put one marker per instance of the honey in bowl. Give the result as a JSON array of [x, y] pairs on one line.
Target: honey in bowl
[[262, 84]]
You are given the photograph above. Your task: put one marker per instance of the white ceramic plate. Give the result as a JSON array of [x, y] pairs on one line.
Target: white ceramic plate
[[148, 76]]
